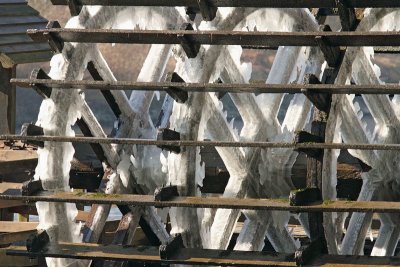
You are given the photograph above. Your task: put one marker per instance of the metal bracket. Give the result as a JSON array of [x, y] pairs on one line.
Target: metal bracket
[[172, 246], [305, 254], [177, 94], [31, 187], [38, 241], [208, 11], [321, 101], [220, 95], [55, 43], [331, 53], [74, 7], [191, 48], [165, 193], [169, 135], [192, 12], [347, 14], [305, 196], [306, 137], [29, 129], [42, 90]]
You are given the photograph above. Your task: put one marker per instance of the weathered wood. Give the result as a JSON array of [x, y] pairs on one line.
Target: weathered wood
[[205, 202], [8, 261], [17, 10], [7, 99], [189, 256], [8, 238], [21, 20]]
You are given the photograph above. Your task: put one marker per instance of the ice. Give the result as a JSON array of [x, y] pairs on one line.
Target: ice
[[254, 172]]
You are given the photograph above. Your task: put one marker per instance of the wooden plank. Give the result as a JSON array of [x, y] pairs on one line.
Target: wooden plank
[[389, 88], [17, 166], [15, 39], [238, 3], [207, 202], [9, 187], [13, 261], [9, 204], [12, 227], [189, 256], [13, 2], [21, 20], [267, 39], [8, 29], [17, 10], [31, 57], [8, 238], [31, 210], [11, 155], [25, 47]]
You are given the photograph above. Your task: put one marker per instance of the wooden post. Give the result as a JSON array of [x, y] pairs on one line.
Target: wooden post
[[7, 114], [7, 100]]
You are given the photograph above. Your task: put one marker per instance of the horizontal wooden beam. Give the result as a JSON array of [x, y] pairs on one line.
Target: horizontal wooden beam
[[193, 143], [207, 202], [187, 256], [273, 39], [237, 3], [195, 256], [258, 88]]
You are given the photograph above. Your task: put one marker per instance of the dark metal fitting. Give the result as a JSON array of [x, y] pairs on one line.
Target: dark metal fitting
[[304, 197], [189, 46], [43, 90], [172, 246], [29, 129], [56, 43], [169, 135], [166, 193], [177, 94]]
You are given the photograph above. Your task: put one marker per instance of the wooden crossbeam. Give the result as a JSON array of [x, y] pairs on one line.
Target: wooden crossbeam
[[237, 3], [212, 87], [272, 39], [206, 202], [187, 256], [195, 256], [192, 143]]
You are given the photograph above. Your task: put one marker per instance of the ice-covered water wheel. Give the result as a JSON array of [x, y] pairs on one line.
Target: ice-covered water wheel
[[253, 172], [211, 63], [381, 182]]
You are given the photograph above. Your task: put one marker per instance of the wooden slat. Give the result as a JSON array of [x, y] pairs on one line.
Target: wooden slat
[[16, 231], [10, 204], [11, 155], [191, 256], [8, 238], [13, 2], [6, 30], [238, 3], [9, 187], [209, 202], [31, 57], [17, 10], [188, 256], [12, 227], [24, 48], [15, 39], [21, 20], [267, 39], [10, 261], [388, 88]]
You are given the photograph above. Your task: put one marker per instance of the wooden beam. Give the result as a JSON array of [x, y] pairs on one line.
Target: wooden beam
[[7, 100], [204, 202], [189, 256]]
